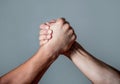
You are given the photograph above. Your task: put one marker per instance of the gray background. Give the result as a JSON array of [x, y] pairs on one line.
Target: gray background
[[96, 23]]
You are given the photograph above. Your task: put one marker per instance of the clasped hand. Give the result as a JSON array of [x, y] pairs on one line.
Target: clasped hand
[[57, 34]]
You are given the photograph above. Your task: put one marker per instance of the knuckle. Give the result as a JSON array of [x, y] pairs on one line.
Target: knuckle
[[61, 20], [49, 31], [71, 31], [74, 37], [67, 26]]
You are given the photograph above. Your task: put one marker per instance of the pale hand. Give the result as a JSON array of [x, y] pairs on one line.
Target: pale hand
[[62, 37]]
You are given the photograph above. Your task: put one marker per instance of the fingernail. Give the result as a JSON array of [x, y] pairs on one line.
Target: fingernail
[[49, 31]]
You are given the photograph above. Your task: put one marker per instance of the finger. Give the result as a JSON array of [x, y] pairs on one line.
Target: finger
[[47, 23], [73, 37], [66, 26], [50, 31], [43, 42], [51, 22], [71, 32], [45, 37], [44, 26], [60, 20], [66, 22], [45, 32]]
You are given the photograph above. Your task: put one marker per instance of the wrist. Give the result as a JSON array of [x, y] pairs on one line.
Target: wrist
[[75, 49], [49, 52]]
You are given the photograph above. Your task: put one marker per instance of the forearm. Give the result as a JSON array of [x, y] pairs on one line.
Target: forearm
[[39, 76], [27, 72], [96, 71]]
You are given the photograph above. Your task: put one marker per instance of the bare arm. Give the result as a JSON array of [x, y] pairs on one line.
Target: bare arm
[[27, 72], [95, 70], [46, 34], [36, 66]]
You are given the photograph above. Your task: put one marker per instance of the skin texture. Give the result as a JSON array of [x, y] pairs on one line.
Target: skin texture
[[31, 71], [94, 69]]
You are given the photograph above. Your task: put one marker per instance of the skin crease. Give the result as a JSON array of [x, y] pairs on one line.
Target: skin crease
[[32, 70], [95, 70]]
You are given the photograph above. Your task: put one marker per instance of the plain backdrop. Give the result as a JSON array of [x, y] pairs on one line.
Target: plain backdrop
[[96, 23]]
